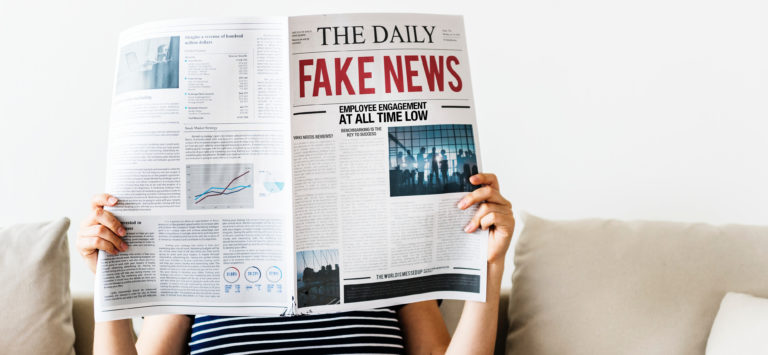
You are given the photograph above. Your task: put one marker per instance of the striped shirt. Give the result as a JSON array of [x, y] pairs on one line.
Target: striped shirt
[[375, 331]]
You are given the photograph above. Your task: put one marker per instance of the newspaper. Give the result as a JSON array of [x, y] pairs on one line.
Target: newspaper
[[291, 165]]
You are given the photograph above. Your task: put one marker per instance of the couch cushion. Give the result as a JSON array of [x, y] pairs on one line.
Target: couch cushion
[[34, 274], [740, 327], [609, 287]]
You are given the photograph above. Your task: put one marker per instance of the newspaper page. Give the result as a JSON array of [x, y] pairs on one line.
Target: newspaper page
[[384, 140], [199, 157], [282, 166]]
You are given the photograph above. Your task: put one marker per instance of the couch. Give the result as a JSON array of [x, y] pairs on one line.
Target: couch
[[589, 286]]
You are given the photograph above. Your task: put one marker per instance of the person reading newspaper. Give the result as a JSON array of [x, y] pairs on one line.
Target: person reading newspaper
[[415, 328]]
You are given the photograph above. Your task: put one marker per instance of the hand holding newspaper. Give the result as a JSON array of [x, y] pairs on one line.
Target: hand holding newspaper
[[283, 166]]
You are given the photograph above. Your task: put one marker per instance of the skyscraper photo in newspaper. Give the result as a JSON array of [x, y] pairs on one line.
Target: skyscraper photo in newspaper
[[431, 159], [317, 277]]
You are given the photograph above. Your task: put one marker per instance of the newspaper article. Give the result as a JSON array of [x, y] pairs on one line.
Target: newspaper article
[[291, 165], [384, 141], [199, 157]]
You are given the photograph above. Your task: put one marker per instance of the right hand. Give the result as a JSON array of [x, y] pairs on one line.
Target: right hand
[[100, 231]]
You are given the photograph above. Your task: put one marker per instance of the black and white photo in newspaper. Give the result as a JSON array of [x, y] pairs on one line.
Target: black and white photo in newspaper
[[384, 140]]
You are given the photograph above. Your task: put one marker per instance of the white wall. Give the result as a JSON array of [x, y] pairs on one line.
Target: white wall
[[650, 109]]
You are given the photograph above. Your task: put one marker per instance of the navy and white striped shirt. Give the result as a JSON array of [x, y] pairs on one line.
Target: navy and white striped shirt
[[375, 331]]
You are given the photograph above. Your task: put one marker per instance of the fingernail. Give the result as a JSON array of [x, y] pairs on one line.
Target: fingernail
[[112, 200], [461, 203], [123, 246], [468, 228], [121, 231]]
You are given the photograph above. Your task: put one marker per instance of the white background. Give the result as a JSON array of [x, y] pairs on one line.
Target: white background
[[649, 109]]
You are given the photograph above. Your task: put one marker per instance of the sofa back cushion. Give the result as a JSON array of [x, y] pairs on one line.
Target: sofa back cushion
[[609, 287], [36, 316]]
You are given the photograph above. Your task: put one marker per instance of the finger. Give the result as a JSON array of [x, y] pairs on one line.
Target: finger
[[106, 218], [485, 179], [485, 193], [83, 247], [482, 211], [90, 245], [103, 199], [105, 233], [488, 220]]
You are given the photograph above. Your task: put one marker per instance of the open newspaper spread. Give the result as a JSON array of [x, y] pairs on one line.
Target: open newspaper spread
[[293, 165]]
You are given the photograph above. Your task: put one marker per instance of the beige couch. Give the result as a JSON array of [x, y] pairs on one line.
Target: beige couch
[[592, 287], [605, 287]]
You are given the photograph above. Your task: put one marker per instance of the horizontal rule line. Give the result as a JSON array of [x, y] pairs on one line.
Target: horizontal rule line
[[368, 102], [383, 49], [453, 106], [465, 268], [307, 112], [358, 278]]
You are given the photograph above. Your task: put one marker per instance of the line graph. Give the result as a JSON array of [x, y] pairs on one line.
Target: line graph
[[236, 188], [219, 186], [212, 190]]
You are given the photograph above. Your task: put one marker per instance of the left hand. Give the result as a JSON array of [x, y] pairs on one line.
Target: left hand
[[494, 215]]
